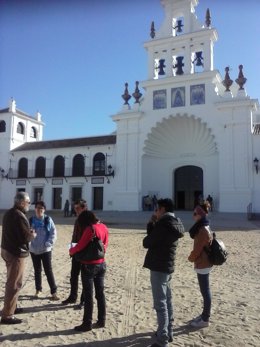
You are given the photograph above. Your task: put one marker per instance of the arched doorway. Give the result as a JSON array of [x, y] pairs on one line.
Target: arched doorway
[[188, 186]]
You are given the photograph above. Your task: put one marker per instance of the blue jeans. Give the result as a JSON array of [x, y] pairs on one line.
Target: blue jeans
[[45, 260], [93, 275], [205, 292], [162, 298]]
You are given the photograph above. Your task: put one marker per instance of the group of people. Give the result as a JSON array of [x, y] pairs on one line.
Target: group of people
[[36, 236]]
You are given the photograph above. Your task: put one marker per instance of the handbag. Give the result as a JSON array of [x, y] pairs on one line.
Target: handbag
[[217, 252], [93, 251]]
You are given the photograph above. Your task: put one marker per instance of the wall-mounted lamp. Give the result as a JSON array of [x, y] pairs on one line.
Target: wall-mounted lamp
[[256, 161], [2, 173], [110, 170]]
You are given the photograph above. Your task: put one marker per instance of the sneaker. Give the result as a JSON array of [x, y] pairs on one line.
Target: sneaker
[[170, 339], [195, 319], [200, 323], [83, 327], [11, 320], [38, 294], [54, 297], [69, 301], [99, 324]]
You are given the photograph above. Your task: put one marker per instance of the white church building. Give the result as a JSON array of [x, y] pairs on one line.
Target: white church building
[[193, 132]]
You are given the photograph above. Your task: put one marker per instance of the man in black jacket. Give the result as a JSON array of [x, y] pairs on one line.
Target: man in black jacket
[[163, 232], [79, 206], [16, 234]]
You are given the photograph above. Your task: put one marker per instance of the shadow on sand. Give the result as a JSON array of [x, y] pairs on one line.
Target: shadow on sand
[[134, 340]]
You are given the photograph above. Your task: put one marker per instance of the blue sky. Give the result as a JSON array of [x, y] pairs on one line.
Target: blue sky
[[69, 59]]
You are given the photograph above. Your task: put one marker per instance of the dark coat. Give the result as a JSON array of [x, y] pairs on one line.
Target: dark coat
[[77, 232], [16, 233], [161, 241]]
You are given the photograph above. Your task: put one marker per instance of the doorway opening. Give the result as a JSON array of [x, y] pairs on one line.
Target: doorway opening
[[56, 198], [188, 187], [98, 198]]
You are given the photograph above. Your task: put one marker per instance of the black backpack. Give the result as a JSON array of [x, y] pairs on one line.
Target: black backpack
[[217, 252]]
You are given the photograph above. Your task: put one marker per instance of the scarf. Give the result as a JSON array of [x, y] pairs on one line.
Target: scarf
[[195, 228]]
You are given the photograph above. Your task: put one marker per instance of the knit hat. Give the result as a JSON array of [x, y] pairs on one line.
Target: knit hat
[[199, 210]]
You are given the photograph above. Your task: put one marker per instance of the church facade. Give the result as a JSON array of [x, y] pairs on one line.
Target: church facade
[[192, 134]]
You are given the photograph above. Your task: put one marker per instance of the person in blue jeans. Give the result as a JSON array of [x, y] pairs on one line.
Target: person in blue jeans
[[41, 249], [92, 271], [163, 233], [200, 233]]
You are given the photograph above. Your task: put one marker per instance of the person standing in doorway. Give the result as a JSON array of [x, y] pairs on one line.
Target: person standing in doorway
[[79, 206], [41, 249], [163, 233], [66, 208], [16, 235]]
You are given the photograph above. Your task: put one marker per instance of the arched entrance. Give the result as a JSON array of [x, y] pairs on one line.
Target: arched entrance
[[188, 186]]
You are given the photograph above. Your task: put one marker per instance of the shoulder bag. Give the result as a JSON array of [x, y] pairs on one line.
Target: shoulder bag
[[93, 251]]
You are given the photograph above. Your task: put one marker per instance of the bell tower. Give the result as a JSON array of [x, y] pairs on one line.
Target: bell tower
[[181, 46]]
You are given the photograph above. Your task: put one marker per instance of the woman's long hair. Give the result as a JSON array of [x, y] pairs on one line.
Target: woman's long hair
[[86, 218]]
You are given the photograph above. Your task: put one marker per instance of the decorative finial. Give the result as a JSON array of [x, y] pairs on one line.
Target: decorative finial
[[227, 81], [12, 105], [241, 80], [152, 33], [208, 18], [126, 96], [137, 95]]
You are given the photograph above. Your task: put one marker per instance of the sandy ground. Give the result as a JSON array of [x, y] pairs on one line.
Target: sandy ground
[[131, 319]]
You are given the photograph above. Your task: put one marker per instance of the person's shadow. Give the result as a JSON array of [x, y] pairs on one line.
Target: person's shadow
[[134, 340]]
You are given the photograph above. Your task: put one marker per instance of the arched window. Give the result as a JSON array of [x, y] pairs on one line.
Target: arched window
[[23, 168], [78, 165], [20, 128], [99, 162], [59, 166], [33, 133], [40, 167], [2, 126]]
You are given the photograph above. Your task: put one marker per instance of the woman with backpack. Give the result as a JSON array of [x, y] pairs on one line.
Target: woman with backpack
[[41, 249], [200, 233]]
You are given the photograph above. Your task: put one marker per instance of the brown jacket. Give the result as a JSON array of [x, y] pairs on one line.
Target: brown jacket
[[16, 233], [198, 255]]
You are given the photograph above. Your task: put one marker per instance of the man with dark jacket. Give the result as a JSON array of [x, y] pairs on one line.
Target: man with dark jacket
[[79, 206], [163, 232], [16, 235]]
